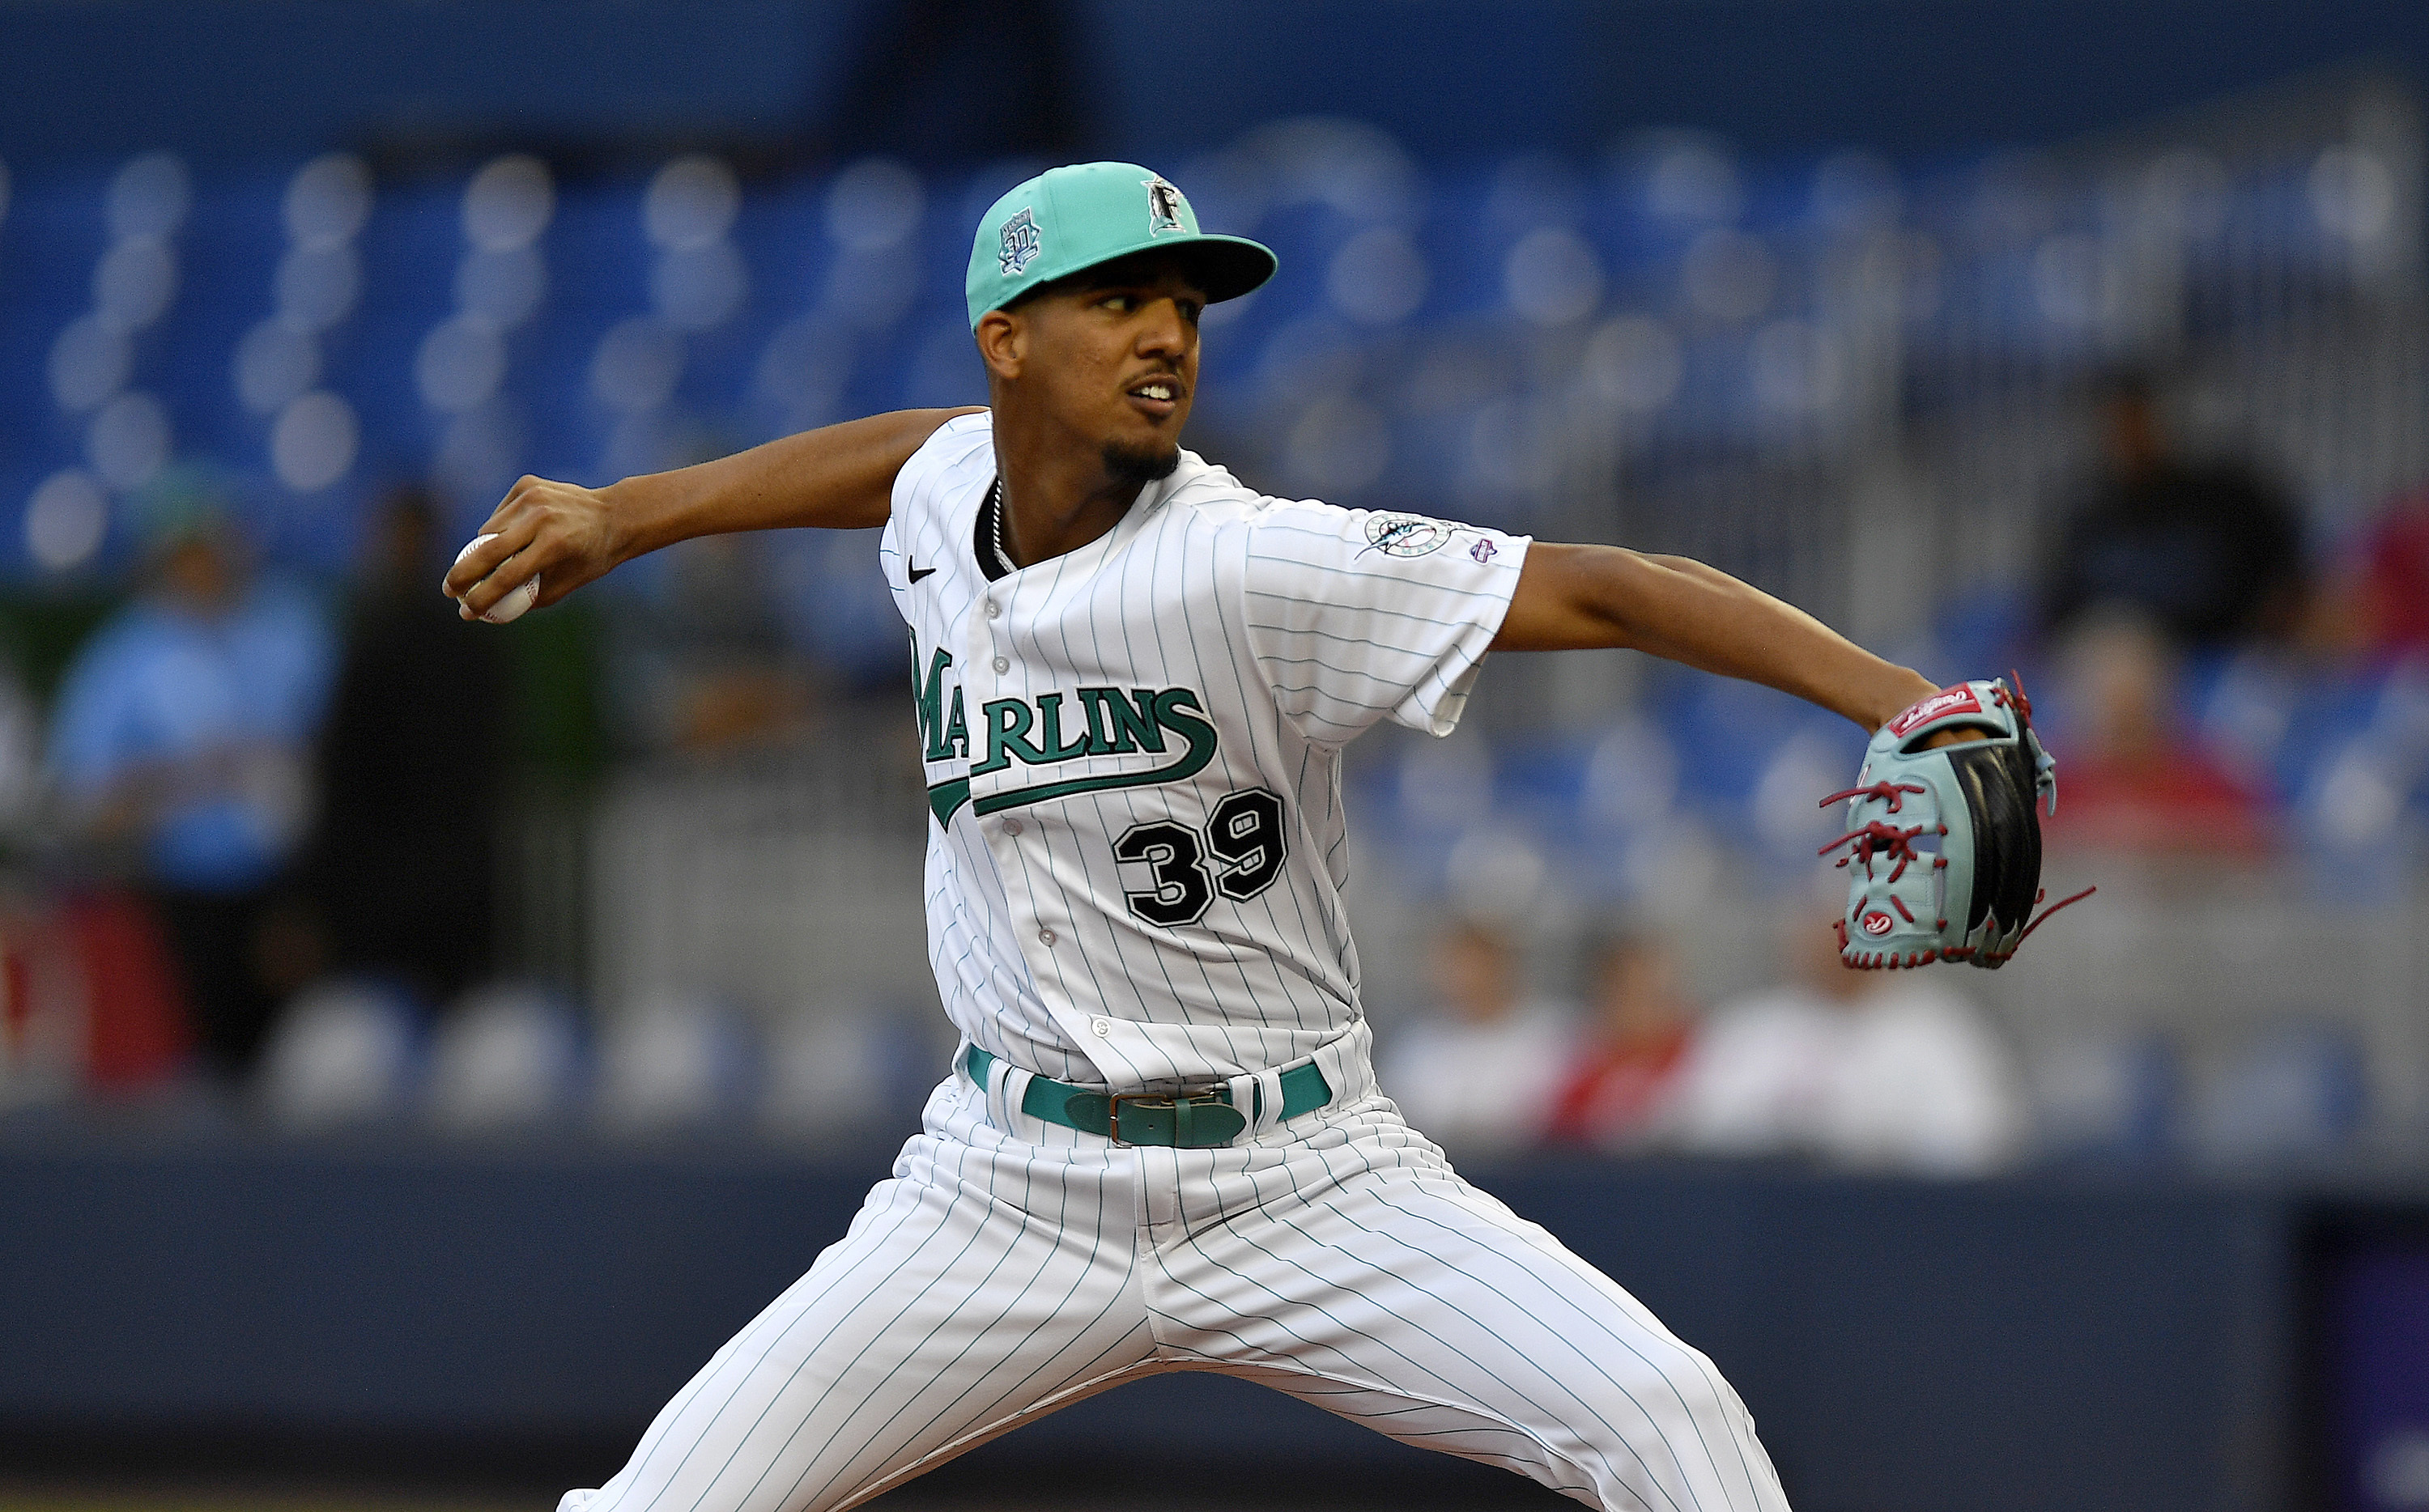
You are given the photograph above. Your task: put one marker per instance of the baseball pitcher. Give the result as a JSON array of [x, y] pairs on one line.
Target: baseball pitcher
[[1160, 1146]]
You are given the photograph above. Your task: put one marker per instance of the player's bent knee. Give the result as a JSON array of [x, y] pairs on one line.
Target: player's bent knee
[[1684, 1422]]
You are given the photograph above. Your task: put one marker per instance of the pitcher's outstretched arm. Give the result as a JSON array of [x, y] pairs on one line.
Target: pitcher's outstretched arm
[[838, 477]]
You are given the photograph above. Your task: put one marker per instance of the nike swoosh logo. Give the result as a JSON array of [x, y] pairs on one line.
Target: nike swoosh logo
[[917, 572]]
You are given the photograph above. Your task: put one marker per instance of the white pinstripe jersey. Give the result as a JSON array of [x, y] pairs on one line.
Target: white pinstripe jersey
[[1137, 852]]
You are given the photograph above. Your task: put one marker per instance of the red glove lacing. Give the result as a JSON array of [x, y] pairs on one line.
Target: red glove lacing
[[1888, 792], [1878, 839]]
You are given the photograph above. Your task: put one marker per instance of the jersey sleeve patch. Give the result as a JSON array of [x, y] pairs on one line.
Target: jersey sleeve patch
[[1358, 615]]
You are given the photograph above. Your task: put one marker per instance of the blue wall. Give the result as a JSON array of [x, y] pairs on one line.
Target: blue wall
[[1906, 1347], [102, 77], [286, 77], [1906, 76]]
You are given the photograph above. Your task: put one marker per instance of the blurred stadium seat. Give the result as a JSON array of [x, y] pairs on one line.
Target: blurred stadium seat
[[506, 1060], [482, 324], [344, 1053]]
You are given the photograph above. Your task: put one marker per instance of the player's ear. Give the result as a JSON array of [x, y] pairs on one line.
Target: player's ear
[[1004, 341]]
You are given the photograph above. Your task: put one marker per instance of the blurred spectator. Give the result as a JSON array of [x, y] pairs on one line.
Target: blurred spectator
[[49, 1005], [701, 660], [126, 986], [1619, 1086], [2132, 775], [1884, 1070], [2382, 609], [2210, 553], [182, 743], [413, 771], [1480, 1073], [21, 755]]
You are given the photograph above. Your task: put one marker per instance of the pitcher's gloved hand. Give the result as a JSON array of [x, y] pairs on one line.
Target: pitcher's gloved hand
[[1943, 842]]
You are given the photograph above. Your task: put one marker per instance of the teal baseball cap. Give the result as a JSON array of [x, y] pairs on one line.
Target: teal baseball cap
[[1077, 216]]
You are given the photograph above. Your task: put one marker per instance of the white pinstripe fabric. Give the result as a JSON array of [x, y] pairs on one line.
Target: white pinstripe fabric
[[1004, 1273], [1294, 632], [1011, 1266]]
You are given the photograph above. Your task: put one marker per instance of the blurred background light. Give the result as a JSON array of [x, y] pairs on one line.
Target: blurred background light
[[128, 440], [312, 444], [148, 197], [508, 204], [65, 520], [1377, 278]]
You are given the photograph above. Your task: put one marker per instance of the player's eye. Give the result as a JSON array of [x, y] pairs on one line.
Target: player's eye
[[1118, 304]]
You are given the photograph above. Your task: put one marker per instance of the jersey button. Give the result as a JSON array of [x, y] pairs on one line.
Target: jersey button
[[995, 611], [1103, 1026], [1011, 826], [1045, 937], [1003, 664]]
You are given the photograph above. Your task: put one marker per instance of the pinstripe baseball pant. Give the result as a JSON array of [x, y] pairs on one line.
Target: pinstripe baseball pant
[[1009, 1268]]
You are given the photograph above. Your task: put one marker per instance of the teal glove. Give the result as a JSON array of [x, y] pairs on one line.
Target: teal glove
[[1943, 845]]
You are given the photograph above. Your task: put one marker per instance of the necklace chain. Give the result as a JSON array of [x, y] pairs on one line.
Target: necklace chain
[[1002, 555]]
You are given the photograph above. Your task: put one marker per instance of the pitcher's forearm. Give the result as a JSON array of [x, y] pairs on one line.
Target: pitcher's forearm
[[1686, 612], [837, 477], [1722, 625], [840, 477]]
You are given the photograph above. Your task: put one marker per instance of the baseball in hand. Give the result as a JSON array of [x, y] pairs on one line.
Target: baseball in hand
[[513, 605]]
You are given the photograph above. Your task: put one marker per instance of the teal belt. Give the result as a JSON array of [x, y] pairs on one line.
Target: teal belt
[[1187, 1120]]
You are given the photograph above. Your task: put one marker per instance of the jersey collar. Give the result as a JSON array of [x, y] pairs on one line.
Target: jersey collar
[[996, 567]]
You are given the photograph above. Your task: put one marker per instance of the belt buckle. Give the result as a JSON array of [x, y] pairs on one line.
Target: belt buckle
[[1113, 1110], [1157, 1100]]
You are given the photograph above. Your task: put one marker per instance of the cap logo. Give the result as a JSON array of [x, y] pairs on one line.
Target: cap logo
[[1021, 244], [1164, 204]]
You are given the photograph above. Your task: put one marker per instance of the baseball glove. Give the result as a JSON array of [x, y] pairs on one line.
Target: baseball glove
[[1943, 844]]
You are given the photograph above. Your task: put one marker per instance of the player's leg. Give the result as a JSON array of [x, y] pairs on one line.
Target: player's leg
[[982, 1286], [1375, 1284]]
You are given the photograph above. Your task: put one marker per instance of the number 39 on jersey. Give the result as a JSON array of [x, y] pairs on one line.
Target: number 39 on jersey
[[1238, 854]]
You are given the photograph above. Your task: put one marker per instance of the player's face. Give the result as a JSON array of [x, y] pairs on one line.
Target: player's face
[[1118, 363]]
